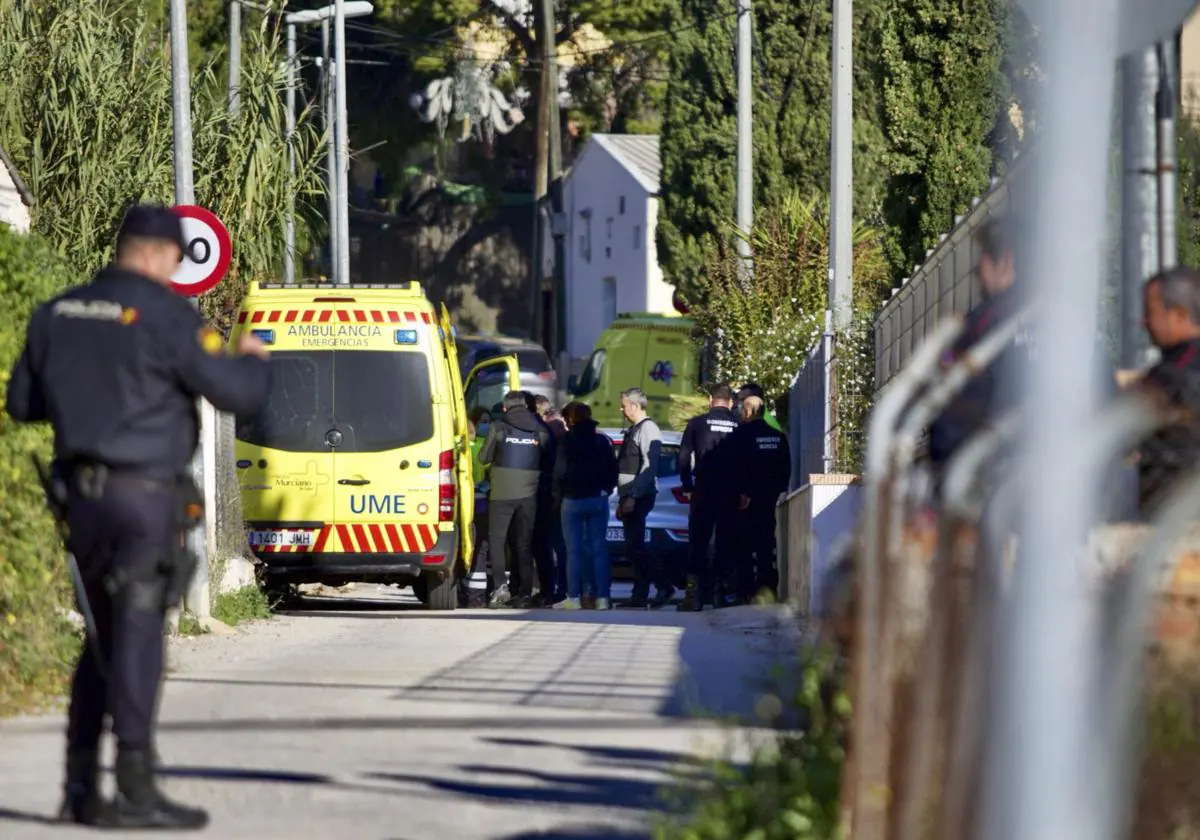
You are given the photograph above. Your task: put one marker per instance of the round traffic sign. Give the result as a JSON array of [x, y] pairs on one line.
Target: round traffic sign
[[209, 251]]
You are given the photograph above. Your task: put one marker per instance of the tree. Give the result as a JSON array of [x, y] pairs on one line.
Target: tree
[[792, 102], [944, 93]]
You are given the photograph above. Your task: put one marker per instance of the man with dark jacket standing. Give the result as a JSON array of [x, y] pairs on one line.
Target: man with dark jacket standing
[[759, 464], [549, 548], [516, 449], [712, 510]]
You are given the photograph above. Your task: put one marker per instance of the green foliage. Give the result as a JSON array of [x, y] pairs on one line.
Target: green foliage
[[789, 789], [792, 94], [86, 113], [943, 88], [244, 604], [1189, 189], [763, 328], [37, 645]]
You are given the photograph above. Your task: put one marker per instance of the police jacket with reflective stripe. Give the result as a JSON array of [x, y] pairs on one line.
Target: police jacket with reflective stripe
[[116, 366], [517, 448]]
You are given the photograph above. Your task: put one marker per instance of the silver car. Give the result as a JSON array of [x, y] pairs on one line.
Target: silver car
[[537, 371], [667, 524]]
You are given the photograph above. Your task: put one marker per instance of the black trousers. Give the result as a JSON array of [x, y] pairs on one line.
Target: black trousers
[[647, 568], [517, 516], [755, 557], [549, 548], [120, 543], [711, 514]]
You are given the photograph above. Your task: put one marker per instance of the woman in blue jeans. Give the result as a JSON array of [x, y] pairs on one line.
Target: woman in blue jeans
[[585, 475]]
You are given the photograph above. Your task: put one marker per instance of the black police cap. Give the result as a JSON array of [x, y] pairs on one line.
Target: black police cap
[[152, 221]]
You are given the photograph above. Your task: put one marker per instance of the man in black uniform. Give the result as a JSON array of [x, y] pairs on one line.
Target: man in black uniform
[[758, 464], [712, 507], [116, 366], [516, 449], [1173, 322]]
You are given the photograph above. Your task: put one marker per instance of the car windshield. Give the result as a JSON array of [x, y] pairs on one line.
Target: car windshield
[[380, 400], [668, 459]]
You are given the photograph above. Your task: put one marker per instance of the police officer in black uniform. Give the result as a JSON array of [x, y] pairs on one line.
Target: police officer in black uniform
[[1172, 301], [712, 509], [116, 366], [759, 464]]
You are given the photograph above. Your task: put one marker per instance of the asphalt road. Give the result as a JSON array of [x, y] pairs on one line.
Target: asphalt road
[[364, 718]]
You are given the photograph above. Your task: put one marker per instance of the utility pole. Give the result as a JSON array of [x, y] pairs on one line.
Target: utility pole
[[544, 22], [328, 72], [745, 133], [343, 147], [555, 174], [201, 542], [289, 225], [841, 193], [235, 55], [1164, 112], [1139, 199]]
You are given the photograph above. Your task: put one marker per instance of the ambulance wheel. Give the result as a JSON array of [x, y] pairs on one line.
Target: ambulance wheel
[[442, 594]]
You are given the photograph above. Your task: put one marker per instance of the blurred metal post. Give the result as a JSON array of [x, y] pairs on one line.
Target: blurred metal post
[[1040, 781], [1139, 195], [1165, 104], [289, 225], [745, 132], [841, 193], [201, 542], [343, 146], [235, 54], [329, 72]]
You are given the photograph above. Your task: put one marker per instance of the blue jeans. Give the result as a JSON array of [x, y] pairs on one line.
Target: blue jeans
[[589, 569]]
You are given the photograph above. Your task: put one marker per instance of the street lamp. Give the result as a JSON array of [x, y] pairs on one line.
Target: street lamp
[[335, 127]]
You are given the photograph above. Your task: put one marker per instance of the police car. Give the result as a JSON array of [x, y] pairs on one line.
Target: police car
[[667, 524]]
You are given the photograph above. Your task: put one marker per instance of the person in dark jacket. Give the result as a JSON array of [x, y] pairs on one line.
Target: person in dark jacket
[[637, 489], [1173, 322], [516, 450], [549, 546], [711, 511], [116, 367], [758, 465], [585, 476]]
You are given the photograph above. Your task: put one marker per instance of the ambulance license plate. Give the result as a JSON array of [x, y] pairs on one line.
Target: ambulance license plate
[[281, 538], [618, 535]]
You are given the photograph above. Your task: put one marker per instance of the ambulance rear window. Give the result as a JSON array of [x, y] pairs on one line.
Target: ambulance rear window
[[379, 400]]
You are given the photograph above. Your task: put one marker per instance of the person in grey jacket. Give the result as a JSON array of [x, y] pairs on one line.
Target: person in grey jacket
[[637, 486], [516, 449]]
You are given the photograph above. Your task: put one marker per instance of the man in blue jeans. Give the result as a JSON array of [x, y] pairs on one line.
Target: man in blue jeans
[[585, 475]]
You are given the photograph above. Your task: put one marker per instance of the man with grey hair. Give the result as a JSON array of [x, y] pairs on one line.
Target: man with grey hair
[[637, 485], [1173, 323]]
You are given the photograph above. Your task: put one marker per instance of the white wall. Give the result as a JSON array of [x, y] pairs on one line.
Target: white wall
[[597, 183], [13, 211]]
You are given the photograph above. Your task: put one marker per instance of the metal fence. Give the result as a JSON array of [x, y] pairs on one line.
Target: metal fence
[[946, 281], [806, 413], [230, 529]]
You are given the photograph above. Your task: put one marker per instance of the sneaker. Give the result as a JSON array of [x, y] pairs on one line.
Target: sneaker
[[499, 598], [568, 604], [603, 604]]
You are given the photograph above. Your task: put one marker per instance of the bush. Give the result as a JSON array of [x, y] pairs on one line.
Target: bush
[[789, 790], [37, 644]]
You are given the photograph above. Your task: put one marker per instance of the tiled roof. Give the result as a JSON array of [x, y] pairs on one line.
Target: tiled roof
[[638, 153]]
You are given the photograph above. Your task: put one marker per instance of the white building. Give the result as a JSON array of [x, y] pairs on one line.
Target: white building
[[611, 202], [15, 198]]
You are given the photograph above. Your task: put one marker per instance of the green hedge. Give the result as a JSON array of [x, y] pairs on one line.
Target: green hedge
[[37, 645]]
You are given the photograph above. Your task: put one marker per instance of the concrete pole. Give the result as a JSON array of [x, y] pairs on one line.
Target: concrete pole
[[201, 542], [1139, 200], [289, 225], [554, 143], [544, 22], [343, 146], [329, 71], [235, 55], [841, 192], [745, 132], [1166, 104]]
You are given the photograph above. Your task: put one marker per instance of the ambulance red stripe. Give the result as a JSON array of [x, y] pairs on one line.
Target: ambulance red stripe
[[364, 542], [377, 535], [343, 315], [322, 538], [343, 532]]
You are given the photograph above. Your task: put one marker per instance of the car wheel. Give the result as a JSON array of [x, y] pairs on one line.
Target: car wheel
[[442, 593]]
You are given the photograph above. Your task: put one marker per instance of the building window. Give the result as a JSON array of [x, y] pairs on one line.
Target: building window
[[607, 253], [609, 298], [621, 205], [585, 238], [637, 237], [610, 221]]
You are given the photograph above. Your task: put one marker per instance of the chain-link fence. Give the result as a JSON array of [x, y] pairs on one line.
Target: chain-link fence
[[946, 281], [230, 528]]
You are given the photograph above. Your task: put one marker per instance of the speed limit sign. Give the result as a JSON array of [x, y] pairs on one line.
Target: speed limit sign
[[208, 254]]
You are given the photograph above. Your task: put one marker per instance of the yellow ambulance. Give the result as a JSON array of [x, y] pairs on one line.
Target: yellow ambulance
[[359, 468], [654, 352]]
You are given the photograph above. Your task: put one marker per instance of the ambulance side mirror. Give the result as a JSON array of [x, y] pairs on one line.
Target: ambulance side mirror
[[572, 384]]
